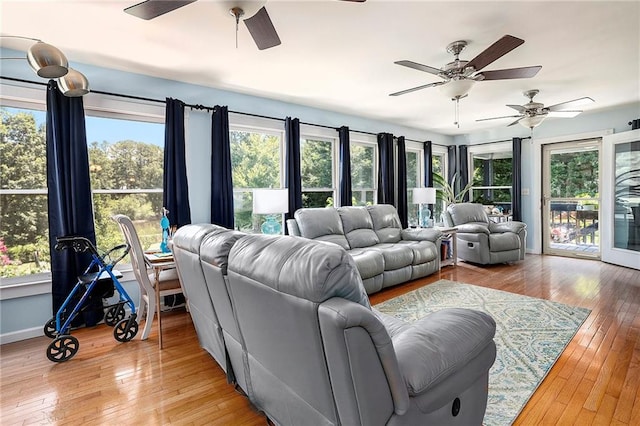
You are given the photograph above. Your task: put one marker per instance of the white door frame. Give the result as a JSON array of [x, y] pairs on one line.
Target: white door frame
[[610, 254], [536, 190]]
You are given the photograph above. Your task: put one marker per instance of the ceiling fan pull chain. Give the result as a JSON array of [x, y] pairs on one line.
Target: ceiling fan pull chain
[[457, 112]]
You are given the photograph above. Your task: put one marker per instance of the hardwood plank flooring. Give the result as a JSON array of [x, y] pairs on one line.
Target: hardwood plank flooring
[[595, 381]]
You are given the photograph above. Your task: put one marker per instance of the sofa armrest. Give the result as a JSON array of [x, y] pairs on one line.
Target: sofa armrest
[[440, 344], [510, 226], [337, 315], [292, 227], [473, 228], [424, 234]]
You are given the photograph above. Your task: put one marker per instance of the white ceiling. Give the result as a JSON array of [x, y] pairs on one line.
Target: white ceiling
[[339, 55]]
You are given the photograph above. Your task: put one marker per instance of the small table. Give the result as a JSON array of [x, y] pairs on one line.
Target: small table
[[159, 262], [450, 234]]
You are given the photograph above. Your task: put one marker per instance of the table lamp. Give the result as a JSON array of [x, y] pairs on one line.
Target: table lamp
[[424, 196], [271, 202]]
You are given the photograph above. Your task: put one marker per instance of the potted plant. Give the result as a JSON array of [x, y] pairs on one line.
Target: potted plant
[[446, 192]]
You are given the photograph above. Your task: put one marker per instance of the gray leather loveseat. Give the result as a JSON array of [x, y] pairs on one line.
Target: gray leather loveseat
[[308, 347], [384, 253]]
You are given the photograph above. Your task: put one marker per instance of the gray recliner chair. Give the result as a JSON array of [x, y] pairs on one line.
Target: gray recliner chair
[[318, 354], [483, 241]]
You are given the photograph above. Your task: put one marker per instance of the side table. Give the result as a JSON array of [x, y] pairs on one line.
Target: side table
[[450, 234]]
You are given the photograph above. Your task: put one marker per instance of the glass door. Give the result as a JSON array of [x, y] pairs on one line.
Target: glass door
[[621, 212], [571, 199]]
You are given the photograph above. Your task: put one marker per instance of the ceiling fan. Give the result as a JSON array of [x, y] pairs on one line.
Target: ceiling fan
[[532, 113], [460, 75], [258, 23]]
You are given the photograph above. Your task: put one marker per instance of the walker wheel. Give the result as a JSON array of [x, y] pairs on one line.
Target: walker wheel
[[113, 315], [50, 329], [63, 348], [125, 330]]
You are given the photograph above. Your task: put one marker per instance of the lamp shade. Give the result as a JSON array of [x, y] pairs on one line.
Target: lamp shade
[[424, 195], [457, 88], [47, 60], [73, 84], [533, 121], [270, 201]]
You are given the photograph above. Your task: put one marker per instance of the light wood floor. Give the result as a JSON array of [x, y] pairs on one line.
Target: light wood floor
[[595, 381]]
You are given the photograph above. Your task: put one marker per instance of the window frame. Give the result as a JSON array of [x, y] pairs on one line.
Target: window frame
[[316, 133], [360, 139], [500, 148], [95, 105], [253, 124]]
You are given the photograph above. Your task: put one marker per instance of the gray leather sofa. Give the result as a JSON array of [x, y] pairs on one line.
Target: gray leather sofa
[[384, 253], [306, 346], [482, 241]]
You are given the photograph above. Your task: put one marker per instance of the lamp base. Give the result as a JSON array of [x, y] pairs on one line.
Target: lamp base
[[271, 226]]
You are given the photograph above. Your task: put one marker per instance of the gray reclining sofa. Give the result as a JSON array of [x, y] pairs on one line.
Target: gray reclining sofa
[[307, 348], [384, 253]]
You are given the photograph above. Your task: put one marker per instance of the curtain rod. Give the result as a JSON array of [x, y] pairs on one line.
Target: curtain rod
[[198, 107], [506, 140]]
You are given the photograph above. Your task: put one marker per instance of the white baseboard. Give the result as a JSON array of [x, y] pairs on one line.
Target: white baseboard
[[16, 336]]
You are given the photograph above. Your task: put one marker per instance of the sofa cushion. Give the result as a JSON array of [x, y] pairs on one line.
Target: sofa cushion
[[358, 227], [423, 251], [396, 256], [310, 270], [216, 246], [322, 224], [504, 242], [369, 262], [386, 222]]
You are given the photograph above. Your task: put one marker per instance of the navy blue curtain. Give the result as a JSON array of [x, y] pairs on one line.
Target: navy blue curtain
[[428, 164], [402, 183], [221, 180], [69, 196], [516, 182], [345, 167], [292, 175], [463, 176], [385, 170], [175, 195], [452, 163], [427, 153]]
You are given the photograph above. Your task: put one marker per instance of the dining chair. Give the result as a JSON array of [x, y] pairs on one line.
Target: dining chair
[[155, 281]]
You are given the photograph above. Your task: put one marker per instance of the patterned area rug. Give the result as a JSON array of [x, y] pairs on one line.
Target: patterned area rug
[[530, 336]]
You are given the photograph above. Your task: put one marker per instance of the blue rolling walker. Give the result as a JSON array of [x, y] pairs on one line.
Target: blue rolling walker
[[64, 346]]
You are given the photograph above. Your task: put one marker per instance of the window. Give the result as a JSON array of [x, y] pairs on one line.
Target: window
[[363, 172], [126, 160], [125, 166], [24, 228], [438, 161], [256, 158], [413, 181], [492, 178], [317, 170]]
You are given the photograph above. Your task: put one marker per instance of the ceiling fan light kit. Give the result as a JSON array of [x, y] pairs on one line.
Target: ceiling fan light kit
[[532, 114]]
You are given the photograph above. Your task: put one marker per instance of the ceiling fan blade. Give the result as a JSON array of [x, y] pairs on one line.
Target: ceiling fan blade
[[356, 1], [262, 30], [518, 108], [150, 9], [419, 67], [498, 49], [570, 104], [497, 118], [524, 72], [563, 114], [402, 92], [515, 122]]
